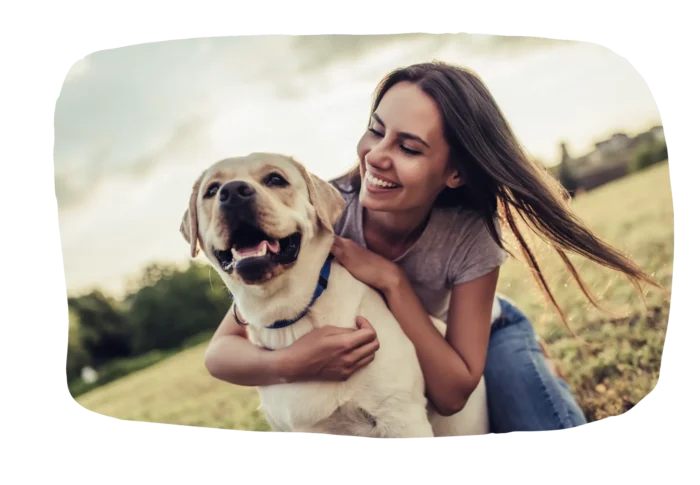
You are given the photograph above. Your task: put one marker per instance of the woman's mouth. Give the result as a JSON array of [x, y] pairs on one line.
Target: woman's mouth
[[375, 184]]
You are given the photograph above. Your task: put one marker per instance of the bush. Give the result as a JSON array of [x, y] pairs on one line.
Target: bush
[[168, 310], [647, 155]]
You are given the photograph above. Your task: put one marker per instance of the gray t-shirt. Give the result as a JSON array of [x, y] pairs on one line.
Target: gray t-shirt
[[455, 247]]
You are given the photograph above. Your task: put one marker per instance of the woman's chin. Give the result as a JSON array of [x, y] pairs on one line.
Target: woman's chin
[[375, 202]]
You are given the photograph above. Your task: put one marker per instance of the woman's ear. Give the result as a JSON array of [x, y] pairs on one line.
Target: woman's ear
[[455, 180]]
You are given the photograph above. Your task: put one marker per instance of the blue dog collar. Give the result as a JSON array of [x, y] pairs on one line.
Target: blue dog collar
[[320, 288]]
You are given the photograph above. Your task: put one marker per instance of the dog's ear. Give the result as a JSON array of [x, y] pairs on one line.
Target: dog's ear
[[325, 198], [189, 227]]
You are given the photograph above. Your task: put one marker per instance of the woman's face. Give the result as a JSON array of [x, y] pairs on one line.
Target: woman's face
[[404, 154]]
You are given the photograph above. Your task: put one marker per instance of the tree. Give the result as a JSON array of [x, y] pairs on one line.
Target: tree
[[101, 328], [173, 305]]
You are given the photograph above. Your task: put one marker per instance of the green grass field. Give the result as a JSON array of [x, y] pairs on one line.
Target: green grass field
[[616, 370]]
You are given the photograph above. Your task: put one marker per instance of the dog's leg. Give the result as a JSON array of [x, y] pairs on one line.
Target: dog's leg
[[310, 429], [407, 422], [346, 421], [416, 426], [274, 424]]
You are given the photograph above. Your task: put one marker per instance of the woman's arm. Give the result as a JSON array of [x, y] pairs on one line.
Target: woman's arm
[[452, 366], [232, 358], [327, 353]]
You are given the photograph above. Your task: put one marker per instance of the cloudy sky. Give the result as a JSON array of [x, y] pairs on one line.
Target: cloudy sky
[[136, 125]]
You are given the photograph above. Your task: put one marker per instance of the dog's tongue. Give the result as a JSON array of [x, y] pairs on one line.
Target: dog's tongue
[[273, 247]]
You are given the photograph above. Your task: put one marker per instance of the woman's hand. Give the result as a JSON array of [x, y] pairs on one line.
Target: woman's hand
[[330, 353], [365, 265]]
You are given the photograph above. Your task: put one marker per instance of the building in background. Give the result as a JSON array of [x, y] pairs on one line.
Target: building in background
[[611, 159]]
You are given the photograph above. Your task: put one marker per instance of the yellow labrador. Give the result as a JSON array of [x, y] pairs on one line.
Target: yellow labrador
[[266, 225]]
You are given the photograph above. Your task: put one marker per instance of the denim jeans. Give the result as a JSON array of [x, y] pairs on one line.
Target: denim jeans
[[523, 394]]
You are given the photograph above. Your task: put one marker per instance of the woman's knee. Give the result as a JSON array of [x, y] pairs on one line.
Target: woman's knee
[[511, 314], [523, 396], [523, 393]]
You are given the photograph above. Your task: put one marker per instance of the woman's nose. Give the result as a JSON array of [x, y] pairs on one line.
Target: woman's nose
[[378, 157]]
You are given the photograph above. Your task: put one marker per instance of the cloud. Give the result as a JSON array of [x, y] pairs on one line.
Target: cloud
[[306, 59], [76, 182], [316, 52], [135, 130], [184, 141]]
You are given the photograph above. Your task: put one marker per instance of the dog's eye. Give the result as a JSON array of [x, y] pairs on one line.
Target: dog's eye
[[211, 191], [275, 180]]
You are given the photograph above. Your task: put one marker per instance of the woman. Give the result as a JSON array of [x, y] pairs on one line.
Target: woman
[[437, 163]]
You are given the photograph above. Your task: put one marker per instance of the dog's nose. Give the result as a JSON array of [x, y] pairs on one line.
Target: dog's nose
[[234, 193]]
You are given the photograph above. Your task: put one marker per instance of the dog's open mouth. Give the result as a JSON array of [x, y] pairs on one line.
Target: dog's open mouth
[[250, 244]]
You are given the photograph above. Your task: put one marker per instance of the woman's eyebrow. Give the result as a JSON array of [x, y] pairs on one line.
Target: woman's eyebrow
[[401, 134]]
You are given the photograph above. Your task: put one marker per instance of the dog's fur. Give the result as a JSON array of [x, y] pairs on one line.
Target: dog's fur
[[385, 398]]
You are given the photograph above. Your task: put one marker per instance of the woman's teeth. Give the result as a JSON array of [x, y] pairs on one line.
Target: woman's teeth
[[380, 183]]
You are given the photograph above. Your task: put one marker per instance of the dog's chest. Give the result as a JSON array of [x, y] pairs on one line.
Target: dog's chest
[[280, 338], [294, 406]]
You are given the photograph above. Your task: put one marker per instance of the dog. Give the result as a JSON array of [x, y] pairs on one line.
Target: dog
[[265, 224]]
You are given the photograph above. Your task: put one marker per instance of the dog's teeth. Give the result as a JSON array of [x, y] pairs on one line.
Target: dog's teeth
[[261, 252]]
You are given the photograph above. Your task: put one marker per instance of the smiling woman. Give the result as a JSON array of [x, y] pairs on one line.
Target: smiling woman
[[439, 169], [438, 165], [426, 202]]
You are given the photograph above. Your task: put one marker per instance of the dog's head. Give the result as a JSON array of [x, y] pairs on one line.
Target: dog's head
[[252, 216]]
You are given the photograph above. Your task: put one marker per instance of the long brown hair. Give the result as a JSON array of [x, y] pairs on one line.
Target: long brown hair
[[500, 178]]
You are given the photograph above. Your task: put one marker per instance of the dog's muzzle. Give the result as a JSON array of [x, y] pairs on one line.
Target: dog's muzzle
[[237, 203], [250, 250], [236, 193]]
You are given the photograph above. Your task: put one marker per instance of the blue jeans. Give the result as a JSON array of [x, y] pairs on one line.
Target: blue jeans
[[523, 394]]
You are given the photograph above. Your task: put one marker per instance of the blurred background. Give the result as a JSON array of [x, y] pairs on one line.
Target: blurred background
[[136, 125]]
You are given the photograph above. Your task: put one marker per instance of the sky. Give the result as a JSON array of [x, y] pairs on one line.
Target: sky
[[135, 126]]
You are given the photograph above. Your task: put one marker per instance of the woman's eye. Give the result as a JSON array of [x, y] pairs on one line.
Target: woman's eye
[[409, 151], [375, 132]]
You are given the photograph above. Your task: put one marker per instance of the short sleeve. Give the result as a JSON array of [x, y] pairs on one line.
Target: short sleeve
[[344, 222], [476, 253]]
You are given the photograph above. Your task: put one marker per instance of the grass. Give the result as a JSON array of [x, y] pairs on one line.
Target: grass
[[118, 368], [614, 371]]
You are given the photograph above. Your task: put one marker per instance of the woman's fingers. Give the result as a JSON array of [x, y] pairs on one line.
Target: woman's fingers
[[362, 363], [362, 352]]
